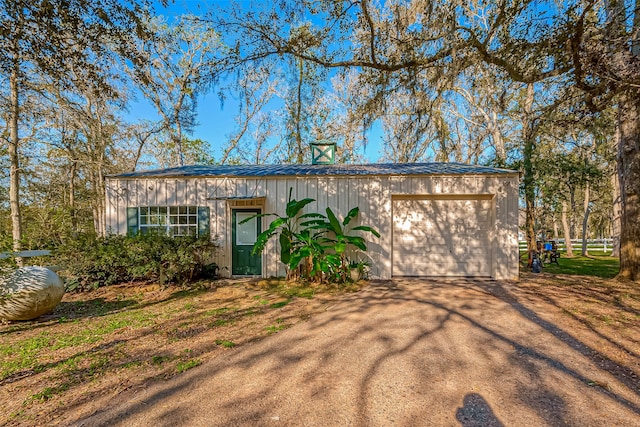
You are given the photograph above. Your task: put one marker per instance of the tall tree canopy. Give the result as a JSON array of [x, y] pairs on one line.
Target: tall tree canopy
[[61, 43]]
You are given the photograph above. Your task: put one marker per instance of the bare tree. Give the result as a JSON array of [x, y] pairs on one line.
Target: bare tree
[[179, 66], [255, 88]]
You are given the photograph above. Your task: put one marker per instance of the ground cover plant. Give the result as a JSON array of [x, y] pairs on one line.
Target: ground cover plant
[[597, 264], [117, 337]]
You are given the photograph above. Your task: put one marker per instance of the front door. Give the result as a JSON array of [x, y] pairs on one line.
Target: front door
[[243, 236]]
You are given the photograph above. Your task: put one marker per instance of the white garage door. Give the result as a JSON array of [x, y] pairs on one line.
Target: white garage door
[[442, 237]]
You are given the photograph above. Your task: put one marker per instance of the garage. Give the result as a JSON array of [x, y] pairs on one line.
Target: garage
[[434, 219], [443, 236]]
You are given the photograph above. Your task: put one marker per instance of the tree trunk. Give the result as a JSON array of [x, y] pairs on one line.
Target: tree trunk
[[566, 230], [615, 222], [14, 169], [299, 148], [616, 208], [572, 205], [629, 175], [178, 142], [72, 198], [529, 190], [585, 220]]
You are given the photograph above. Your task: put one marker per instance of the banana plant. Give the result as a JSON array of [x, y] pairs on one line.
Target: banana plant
[[338, 241], [313, 244], [287, 225], [340, 230]]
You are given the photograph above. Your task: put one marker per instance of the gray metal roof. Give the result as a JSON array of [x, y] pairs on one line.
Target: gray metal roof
[[306, 170]]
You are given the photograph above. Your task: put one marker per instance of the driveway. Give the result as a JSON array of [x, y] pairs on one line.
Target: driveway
[[401, 353]]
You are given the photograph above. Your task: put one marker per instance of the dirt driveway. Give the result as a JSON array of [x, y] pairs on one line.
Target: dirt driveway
[[402, 353]]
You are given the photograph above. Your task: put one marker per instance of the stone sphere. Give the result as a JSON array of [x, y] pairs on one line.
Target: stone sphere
[[29, 292]]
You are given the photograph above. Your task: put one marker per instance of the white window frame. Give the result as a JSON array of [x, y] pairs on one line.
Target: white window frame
[[173, 221]]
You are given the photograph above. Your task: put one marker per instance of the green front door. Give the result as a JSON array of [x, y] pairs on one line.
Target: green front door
[[243, 236]]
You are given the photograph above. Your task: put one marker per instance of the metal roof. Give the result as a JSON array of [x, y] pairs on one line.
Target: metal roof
[[308, 170]]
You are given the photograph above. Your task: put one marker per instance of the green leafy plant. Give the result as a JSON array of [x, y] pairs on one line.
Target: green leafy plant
[[339, 240], [313, 246], [288, 228], [361, 269], [91, 262]]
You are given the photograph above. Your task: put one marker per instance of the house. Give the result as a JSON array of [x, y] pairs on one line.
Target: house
[[435, 219]]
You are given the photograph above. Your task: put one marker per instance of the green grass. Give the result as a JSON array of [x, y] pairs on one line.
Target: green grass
[[298, 291], [49, 392], [217, 311], [261, 301], [289, 290], [159, 360], [24, 356], [280, 304], [185, 366], [132, 364], [277, 327], [596, 264], [222, 322], [225, 343]]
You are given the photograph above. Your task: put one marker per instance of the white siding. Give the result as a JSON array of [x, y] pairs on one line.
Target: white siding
[[372, 194]]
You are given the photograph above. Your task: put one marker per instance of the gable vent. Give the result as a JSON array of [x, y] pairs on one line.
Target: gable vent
[[323, 152]]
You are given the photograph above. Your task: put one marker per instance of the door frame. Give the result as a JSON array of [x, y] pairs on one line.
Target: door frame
[[238, 207]]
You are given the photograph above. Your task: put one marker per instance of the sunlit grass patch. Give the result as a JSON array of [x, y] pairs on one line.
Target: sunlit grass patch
[[599, 266], [48, 392], [225, 343], [280, 325], [185, 366]]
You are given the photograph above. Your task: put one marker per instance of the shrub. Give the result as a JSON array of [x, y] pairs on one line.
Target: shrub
[[90, 262]]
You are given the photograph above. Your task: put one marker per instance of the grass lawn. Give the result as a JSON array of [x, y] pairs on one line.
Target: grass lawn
[[596, 264], [100, 343]]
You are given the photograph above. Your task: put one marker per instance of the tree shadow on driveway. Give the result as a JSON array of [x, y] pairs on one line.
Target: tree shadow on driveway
[[405, 352]]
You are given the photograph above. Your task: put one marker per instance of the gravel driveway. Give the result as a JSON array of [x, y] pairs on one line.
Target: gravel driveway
[[401, 353]]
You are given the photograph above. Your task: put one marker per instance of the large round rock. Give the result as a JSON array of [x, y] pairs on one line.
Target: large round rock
[[29, 292]]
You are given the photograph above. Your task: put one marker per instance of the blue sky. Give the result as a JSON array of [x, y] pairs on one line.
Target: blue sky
[[216, 121]]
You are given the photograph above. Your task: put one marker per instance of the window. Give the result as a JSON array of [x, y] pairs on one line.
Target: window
[[169, 220]]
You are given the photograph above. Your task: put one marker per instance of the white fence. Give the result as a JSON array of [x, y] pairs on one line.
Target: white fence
[[25, 254], [603, 245]]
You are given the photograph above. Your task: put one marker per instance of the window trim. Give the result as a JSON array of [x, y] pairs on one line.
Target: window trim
[[175, 219]]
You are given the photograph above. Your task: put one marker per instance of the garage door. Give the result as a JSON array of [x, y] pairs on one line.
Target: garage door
[[443, 236]]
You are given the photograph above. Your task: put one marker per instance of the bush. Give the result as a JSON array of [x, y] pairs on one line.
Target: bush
[[89, 262]]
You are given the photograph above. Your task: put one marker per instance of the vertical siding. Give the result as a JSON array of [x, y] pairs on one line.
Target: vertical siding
[[312, 192], [112, 194], [269, 265], [378, 252]]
